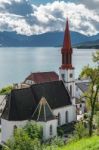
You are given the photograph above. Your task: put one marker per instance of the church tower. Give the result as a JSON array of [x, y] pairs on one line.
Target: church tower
[[66, 71]]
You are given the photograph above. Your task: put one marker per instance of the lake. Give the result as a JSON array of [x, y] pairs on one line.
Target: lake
[[17, 63]]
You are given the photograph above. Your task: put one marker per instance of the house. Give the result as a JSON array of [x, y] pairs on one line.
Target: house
[[49, 99]]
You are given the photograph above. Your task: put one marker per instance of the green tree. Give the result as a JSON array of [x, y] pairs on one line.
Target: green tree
[[92, 94], [97, 122], [96, 57]]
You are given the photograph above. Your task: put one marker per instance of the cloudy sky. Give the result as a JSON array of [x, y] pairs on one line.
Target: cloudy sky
[[40, 16]]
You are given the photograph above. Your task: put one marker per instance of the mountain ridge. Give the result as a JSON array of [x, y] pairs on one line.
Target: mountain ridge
[[12, 39]]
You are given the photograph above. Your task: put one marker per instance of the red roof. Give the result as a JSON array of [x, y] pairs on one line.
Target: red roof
[[42, 77], [67, 40]]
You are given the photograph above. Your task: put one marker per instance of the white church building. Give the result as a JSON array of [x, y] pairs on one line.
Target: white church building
[[49, 99]]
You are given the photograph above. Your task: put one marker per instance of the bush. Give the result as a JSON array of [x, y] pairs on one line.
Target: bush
[[80, 130], [27, 138], [6, 90], [57, 141], [33, 130], [60, 131]]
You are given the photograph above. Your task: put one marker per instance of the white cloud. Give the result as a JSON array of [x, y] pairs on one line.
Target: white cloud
[[26, 18]]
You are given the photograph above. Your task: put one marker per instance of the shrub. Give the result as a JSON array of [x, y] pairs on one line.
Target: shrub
[[80, 130], [33, 130], [6, 90], [27, 138], [60, 131], [57, 141]]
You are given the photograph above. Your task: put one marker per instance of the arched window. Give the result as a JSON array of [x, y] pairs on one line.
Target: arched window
[[14, 129], [51, 130], [71, 90], [66, 117], [59, 119]]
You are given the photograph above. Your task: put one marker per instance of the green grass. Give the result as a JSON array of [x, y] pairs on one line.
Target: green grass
[[84, 144]]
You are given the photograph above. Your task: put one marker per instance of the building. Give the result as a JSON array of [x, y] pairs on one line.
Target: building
[[49, 100], [81, 86], [66, 71], [41, 77]]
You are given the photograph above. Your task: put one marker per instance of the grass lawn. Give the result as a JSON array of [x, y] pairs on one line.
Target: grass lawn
[[84, 144]]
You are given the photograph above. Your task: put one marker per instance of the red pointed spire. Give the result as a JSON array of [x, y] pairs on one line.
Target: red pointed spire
[[67, 49], [67, 40]]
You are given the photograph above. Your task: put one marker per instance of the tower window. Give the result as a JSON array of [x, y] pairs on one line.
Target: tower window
[[59, 119], [51, 130], [71, 75], [63, 77], [66, 117]]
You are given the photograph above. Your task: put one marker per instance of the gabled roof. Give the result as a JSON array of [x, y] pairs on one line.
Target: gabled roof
[[83, 86], [22, 103], [43, 111], [41, 77]]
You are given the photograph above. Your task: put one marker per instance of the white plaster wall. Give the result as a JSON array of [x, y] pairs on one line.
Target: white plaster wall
[[30, 82], [7, 128], [46, 129], [71, 113], [67, 73], [69, 81]]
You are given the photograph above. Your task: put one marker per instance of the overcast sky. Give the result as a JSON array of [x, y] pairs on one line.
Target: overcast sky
[[40, 16]]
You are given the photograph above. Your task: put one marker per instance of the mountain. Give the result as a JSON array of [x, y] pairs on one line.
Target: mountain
[[12, 39], [92, 42]]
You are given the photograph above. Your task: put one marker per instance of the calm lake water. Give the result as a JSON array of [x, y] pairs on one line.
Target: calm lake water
[[17, 63]]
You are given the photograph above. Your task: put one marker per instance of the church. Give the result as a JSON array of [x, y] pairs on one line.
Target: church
[[43, 97]]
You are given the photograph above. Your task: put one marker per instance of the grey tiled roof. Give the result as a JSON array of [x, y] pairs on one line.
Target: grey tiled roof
[[83, 86], [22, 103], [43, 111]]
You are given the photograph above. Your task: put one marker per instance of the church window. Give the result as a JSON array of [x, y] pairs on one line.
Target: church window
[[14, 129], [71, 90], [66, 117], [59, 119], [51, 130]]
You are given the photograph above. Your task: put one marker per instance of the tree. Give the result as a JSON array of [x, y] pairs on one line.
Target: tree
[[92, 94], [97, 122], [96, 57]]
